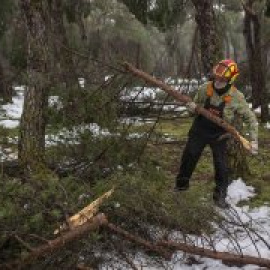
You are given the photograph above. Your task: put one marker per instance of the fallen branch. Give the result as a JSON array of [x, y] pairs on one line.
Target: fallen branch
[[85, 214], [183, 98], [138, 240], [224, 256], [57, 243]]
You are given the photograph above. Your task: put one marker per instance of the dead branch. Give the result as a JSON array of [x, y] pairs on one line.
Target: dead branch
[[57, 243], [138, 240], [224, 256], [23, 243]]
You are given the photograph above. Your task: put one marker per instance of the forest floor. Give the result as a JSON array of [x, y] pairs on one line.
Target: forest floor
[[249, 197]]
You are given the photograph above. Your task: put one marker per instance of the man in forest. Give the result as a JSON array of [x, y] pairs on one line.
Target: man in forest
[[221, 98]]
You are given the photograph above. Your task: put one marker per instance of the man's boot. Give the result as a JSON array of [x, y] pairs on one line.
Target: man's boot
[[181, 184], [219, 198]]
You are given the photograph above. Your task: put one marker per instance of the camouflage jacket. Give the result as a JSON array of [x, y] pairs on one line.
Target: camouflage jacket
[[236, 107]]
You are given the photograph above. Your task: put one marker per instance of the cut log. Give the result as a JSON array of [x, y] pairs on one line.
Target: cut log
[[183, 98], [226, 257], [85, 214]]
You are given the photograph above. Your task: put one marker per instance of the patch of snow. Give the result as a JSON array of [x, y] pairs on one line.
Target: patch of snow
[[136, 135], [267, 125], [108, 77], [239, 191], [257, 218], [140, 93], [14, 109], [9, 123], [81, 82]]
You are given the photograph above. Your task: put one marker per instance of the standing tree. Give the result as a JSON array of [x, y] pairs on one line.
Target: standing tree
[[32, 129], [6, 12], [253, 36], [209, 40]]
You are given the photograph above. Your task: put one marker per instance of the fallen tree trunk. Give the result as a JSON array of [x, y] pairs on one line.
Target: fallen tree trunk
[[57, 243], [226, 257], [183, 98]]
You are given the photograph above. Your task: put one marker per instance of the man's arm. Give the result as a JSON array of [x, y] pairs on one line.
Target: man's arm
[[198, 99]]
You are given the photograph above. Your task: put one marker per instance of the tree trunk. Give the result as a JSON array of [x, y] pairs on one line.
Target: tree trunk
[[33, 120], [210, 43], [64, 61], [252, 34], [5, 85]]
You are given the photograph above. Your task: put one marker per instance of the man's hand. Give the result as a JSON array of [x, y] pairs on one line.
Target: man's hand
[[254, 147], [191, 106]]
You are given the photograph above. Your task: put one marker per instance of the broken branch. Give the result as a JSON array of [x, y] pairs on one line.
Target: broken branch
[[138, 240], [85, 214], [183, 98], [57, 243]]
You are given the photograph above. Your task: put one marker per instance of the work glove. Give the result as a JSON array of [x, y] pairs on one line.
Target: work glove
[[191, 106], [254, 147]]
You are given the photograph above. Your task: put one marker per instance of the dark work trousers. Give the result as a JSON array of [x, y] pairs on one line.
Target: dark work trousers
[[204, 132], [192, 153]]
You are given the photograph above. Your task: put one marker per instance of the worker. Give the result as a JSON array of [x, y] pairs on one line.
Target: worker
[[223, 99]]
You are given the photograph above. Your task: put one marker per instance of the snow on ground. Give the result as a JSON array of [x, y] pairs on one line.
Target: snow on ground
[[11, 112], [140, 93], [258, 218]]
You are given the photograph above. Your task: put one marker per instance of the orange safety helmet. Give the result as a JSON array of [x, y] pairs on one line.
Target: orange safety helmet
[[226, 69]]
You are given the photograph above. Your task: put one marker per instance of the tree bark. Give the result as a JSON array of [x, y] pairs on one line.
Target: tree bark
[[209, 40], [252, 34], [33, 120], [5, 84]]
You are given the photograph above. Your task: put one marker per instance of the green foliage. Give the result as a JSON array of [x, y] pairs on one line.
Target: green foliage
[[169, 13], [142, 199], [37, 206], [139, 8]]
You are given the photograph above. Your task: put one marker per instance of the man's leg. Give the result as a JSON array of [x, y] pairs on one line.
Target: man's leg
[[190, 157], [221, 172]]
